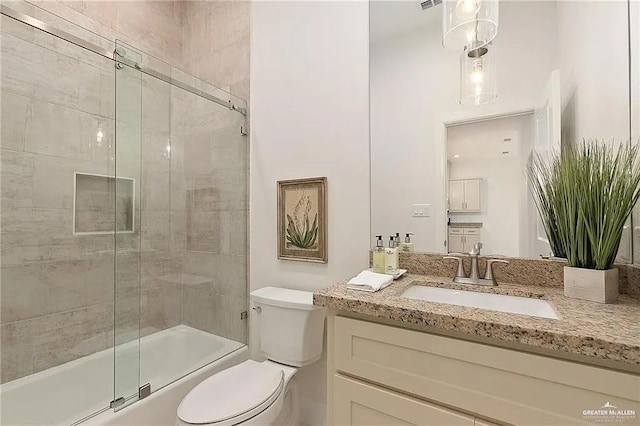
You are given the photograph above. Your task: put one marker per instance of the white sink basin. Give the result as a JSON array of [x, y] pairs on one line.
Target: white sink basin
[[490, 301]]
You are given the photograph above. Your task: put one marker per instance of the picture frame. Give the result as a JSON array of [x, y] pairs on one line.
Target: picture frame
[[302, 220]]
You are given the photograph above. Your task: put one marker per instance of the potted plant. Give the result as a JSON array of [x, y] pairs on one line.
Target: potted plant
[[584, 195]]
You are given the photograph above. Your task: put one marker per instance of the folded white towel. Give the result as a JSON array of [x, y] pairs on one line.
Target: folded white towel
[[369, 281]]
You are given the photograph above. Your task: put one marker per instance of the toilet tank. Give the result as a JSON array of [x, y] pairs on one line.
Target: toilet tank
[[291, 328]]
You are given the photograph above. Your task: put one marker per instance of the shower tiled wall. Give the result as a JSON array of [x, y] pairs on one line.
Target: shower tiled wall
[[216, 49], [153, 26], [189, 264], [216, 43], [161, 303], [57, 287], [215, 184]]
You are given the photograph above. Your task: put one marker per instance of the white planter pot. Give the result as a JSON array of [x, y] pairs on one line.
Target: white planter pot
[[591, 284]]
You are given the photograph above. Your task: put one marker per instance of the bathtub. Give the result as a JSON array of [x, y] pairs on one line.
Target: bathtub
[[70, 392]]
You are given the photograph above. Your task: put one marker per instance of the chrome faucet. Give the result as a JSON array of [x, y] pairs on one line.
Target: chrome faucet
[[474, 274]]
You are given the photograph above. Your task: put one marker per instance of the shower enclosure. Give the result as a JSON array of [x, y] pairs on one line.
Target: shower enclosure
[[123, 221]]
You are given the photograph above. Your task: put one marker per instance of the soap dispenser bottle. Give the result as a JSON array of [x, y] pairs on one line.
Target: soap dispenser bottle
[[407, 246], [378, 255], [391, 257]]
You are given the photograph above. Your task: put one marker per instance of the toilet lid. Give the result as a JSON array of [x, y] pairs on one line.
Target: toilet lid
[[240, 391]]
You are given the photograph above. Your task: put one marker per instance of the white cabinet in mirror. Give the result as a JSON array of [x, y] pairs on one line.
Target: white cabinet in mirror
[[464, 196], [463, 239], [469, 162]]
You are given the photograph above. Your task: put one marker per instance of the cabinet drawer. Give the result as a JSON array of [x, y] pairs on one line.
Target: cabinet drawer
[[507, 385], [472, 231], [459, 231], [480, 422], [357, 403]]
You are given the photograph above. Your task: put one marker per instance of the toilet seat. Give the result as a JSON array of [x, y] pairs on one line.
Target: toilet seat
[[233, 395]]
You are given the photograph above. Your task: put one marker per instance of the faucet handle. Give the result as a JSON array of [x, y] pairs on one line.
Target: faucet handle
[[456, 255], [460, 272], [489, 274]]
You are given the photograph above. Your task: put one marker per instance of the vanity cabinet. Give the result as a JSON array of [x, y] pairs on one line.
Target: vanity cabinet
[[464, 196], [462, 240], [361, 404], [380, 375]]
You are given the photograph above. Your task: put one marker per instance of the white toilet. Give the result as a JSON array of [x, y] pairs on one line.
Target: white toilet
[[263, 393]]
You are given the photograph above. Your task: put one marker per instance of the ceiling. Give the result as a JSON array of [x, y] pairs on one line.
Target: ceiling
[[388, 19]]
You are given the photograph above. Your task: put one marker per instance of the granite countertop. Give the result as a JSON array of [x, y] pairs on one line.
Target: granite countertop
[[609, 332]]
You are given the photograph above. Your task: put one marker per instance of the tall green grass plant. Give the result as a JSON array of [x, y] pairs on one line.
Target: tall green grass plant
[[584, 195]]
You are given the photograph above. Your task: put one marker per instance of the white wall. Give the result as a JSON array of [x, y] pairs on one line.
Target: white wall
[[594, 64], [595, 87], [414, 89], [309, 117]]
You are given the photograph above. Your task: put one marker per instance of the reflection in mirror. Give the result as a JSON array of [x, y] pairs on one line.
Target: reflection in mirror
[[486, 193], [561, 76], [634, 37]]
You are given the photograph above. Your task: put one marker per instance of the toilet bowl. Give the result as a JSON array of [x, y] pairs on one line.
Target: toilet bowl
[[251, 393], [262, 393]]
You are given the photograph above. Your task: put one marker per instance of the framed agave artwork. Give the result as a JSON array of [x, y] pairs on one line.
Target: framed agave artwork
[[302, 220]]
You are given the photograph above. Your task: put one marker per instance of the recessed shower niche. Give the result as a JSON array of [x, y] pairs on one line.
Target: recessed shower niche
[[100, 202]]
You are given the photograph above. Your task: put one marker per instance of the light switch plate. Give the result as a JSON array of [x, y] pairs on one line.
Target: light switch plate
[[421, 210]]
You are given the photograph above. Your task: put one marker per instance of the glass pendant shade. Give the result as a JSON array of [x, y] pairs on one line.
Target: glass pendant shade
[[467, 21], [478, 74]]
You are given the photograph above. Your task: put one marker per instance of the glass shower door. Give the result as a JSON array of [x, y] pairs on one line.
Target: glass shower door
[[127, 294], [194, 221], [183, 265]]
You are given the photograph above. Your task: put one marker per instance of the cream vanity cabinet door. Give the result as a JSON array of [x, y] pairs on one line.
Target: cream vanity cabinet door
[[462, 240], [456, 240], [357, 403], [470, 241], [472, 195], [456, 195]]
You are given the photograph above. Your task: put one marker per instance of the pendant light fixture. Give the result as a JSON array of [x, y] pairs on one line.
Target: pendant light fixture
[[467, 21], [478, 74]]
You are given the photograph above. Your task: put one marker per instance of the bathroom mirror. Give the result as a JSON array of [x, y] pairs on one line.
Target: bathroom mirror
[[634, 66], [448, 164]]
